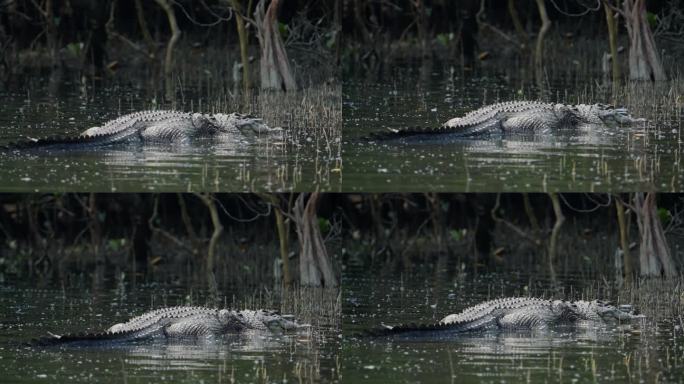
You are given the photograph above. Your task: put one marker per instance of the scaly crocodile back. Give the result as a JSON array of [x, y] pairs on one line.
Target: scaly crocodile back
[[181, 322], [149, 325], [159, 126], [487, 308], [153, 317], [517, 313], [122, 129], [482, 316], [125, 122], [482, 120]]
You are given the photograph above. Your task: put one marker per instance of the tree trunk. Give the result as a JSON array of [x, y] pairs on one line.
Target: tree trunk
[[530, 212], [644, 61], [516, 23], [375, 206], [421, 23], [142, 23], [210, 201], [51, 31], [243, 35], [337, 17], [553, 241], [539, 50], [95, 229], [283, 235], [140, 212], [315, 267], [168, 58], [624, 240], [360, 22], [47, 12], [187, 222], [612, 38], [435, 205], [275, 67], [38, 244], [654, 253]]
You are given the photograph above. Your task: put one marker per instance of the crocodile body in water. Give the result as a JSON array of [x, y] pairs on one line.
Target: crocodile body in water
[[181, 323], [520, 117], [156, 127], [517, 314]]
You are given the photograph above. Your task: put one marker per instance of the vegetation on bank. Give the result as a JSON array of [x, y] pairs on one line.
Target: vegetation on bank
[[305, 238], [262, 43], [241, 239], [539, 34], [615, 236]]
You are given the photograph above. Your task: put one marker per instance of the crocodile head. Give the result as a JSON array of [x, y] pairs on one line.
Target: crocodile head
[[597, 310], [276, 322], [604, 114], [260, 320], [246, 124]]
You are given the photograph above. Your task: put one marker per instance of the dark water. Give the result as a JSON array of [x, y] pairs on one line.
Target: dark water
[[648, 352], [38, 111], [411, 94], [28, 313]]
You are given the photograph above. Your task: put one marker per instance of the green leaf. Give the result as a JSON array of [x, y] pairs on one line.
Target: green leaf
[[652, 19], [444, 205], [664, 215], [324, 225], [282, 29], [332, 39], [442, 39], [116, 244], [74, 49]]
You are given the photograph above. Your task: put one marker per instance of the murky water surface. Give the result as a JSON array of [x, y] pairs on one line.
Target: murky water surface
[[39, 111], [28, 313], [649, 352], [428, 94]]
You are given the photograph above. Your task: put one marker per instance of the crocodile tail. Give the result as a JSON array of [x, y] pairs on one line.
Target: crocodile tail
[[407, 328], [59, 141], [85, 338], [406, 132], [49, 141]]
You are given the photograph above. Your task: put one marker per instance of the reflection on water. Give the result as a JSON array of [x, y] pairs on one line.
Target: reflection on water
[[642, 352], [29, 313], [642, 156], [218, 165], [212, 166]]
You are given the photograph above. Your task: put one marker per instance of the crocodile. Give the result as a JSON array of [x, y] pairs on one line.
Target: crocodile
[[518, 314], [156, 127], [179, 323], [521, 117]]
